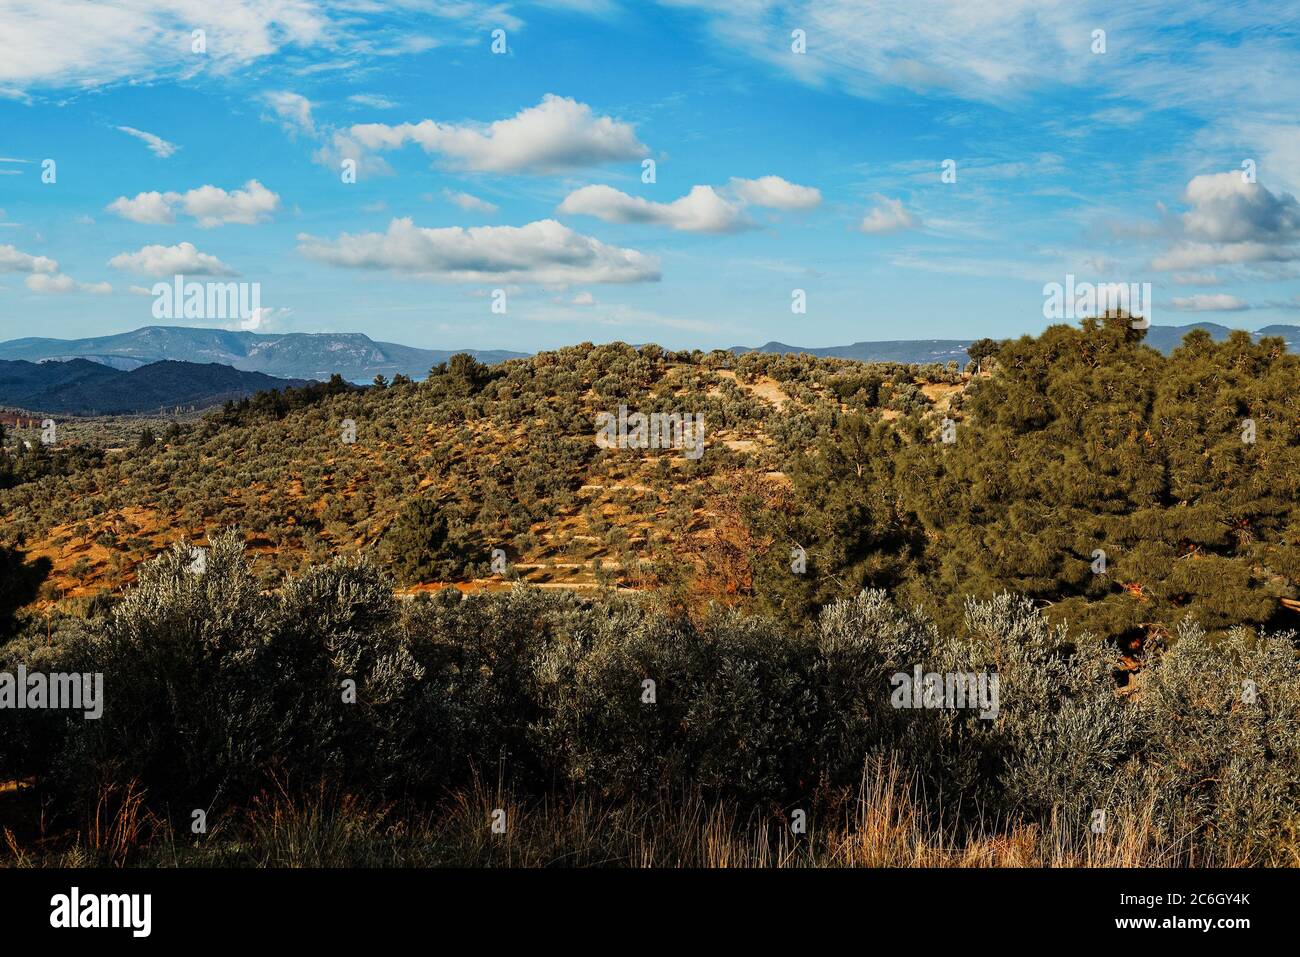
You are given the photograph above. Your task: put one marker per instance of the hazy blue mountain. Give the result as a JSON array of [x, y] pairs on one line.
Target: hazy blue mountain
[[300, 355], [1164, 338], [82, 387]]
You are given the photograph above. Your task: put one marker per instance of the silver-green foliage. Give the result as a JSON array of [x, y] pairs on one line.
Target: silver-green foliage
[[213, 686]]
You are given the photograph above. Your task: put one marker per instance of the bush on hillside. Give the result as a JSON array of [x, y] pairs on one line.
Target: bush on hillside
[[211, 686]]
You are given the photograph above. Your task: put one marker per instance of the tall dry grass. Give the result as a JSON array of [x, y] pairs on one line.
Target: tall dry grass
[[887, 823]]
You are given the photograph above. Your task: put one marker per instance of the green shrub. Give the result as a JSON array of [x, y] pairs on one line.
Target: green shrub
[[212, 685]]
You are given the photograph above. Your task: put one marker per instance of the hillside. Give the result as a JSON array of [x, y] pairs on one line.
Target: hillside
[[296, 355], [1110, 531], [919, 479], [82, 387], [507, 454]]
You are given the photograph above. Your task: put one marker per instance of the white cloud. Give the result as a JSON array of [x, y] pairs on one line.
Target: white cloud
[[57, 284], [293, 110], [1201, 255], [151, 207], [209, 205], [213, 206], [372, 100], [182, 259], [83, 44], [1232, 222], [1196, 279], [1226, 208], [917, 44], [43, 273], [887, 216], [469, 203], [583, 299], [776, 193], [1220, 302], [558, 134], [157, 145], [701, 210], [1001, 52], [1009, 52], [14, 260], [540, 252]]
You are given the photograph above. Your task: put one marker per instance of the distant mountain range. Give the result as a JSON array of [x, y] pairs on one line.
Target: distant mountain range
[[299, 355], [358, 358], [1164, 338], [82, 387]]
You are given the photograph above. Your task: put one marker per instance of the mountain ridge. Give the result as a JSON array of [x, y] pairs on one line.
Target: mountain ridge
[[82, 387], [297, 355]]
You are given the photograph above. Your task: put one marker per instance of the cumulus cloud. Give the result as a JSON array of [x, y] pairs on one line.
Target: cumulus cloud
[[1226, 208], [150, 207], [157, 145], [1219, 302], [887, 216], [1232, 222], [57, 284], [541, 252], [209, 205], [776, 193], [556, 135], [469, 203], [700, 211], [183, 259], [13, 259]]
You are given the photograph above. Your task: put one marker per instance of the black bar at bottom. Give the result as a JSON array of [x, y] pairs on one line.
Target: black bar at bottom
[[504, 906]]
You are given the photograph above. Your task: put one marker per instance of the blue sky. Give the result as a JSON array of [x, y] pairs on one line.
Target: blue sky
[[521, 171]]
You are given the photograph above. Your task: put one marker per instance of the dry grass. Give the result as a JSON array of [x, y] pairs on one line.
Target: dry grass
[[886, 824]]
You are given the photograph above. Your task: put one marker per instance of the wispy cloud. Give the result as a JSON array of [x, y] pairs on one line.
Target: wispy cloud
[[157, 145]]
